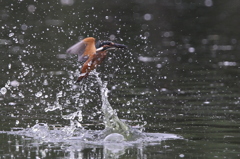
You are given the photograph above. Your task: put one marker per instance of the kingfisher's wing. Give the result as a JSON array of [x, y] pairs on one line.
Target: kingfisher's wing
[[82, 50]]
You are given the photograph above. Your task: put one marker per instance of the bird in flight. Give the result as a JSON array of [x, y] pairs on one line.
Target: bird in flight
[[91, 53]]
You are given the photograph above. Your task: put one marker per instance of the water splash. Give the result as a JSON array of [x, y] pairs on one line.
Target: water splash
[[56, 105], [111, 121], [115, 138]]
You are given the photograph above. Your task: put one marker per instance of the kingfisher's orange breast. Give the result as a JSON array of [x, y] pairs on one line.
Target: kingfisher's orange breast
[[93, 61]]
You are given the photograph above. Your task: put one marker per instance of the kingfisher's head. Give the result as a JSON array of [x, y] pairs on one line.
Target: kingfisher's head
[[108, 45]]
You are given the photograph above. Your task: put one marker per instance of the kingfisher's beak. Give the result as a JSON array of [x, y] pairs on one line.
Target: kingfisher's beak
[[119, 46]]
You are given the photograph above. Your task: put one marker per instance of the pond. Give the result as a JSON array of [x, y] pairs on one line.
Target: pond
[[176, 87]]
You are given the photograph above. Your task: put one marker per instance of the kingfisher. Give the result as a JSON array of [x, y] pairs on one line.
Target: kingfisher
[[92, 53]]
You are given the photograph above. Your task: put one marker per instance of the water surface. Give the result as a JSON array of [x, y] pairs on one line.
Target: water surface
[[179, 76]]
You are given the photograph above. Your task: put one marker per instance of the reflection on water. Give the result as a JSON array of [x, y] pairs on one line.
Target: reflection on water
[[47, 143], [18, 144]]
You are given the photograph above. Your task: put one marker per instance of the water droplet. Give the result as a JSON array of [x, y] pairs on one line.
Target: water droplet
[[147, 17], [112, 37], [227, 63], [11, 34], [3, 90], [159, 65], [114, 137], [181, 155], [21, 95], [14, 83], [206, 102], [24, 27], [45, 82], [67, 2], [208, 3], [31, 8], [38, 94], [11, 103], [26, 72], [191, 49]]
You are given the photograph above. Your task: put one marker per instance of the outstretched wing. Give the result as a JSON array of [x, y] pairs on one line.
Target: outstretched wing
[[79, 49], [84, 49]]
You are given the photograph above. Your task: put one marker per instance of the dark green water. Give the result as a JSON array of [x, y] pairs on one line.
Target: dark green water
[[179, 76]]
